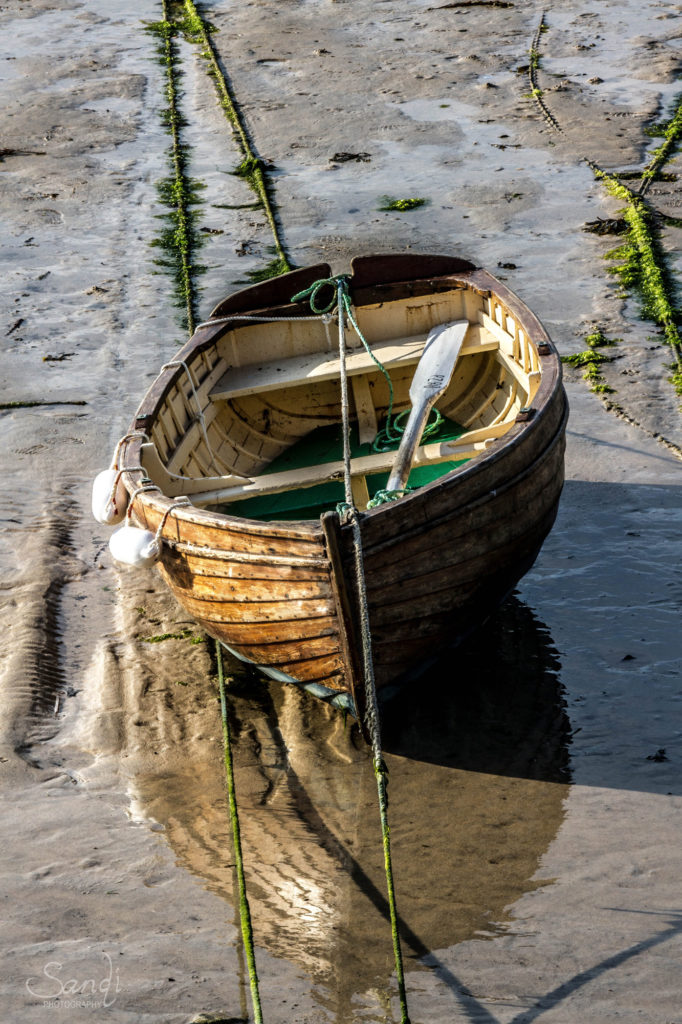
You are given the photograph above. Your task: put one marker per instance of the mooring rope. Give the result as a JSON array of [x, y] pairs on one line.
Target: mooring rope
[[352, 515], [244, 911], [393, 429], [254, 166], [182, 234], [341, 301]]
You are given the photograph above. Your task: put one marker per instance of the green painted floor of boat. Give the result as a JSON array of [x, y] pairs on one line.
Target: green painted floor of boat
[[325, 444]]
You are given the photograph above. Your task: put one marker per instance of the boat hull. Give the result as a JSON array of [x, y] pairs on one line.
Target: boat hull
[[283, 595]]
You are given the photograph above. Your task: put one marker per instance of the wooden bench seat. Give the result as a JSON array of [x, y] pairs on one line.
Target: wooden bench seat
[[320, 366], [465, 447]]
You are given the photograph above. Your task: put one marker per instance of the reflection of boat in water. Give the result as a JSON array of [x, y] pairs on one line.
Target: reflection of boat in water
[[476, 766]]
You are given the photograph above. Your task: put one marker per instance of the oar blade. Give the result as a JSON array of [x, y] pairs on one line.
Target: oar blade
[[437, 362], [431, 379]]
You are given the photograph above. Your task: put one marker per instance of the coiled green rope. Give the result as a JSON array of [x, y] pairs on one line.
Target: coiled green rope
[[244, 911], [392, 432]]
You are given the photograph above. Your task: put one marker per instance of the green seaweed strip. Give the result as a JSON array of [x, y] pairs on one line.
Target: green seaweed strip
[[591, 360], [641, 268], [252, 167], [672, 130], [178, 192], [533, 66], [30, 403]]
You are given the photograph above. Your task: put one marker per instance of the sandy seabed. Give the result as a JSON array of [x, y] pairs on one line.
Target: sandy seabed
[[537, 834]]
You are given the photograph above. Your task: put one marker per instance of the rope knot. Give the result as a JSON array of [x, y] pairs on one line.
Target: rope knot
[[335, 283], [383, 496]]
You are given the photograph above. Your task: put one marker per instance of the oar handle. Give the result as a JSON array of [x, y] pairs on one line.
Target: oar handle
[[414, 428]]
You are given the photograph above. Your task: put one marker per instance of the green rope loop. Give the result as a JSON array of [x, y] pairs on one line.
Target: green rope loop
[[244, 911], [315, 288], [390, 433], [342, 297], [383, 496]]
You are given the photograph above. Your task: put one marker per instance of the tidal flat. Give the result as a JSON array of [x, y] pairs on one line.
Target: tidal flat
[[536, 775]]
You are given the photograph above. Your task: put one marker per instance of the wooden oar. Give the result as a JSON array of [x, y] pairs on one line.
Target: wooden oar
[[430, 381]]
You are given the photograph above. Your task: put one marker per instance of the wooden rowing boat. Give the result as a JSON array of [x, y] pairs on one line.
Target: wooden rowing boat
[[245, 423]]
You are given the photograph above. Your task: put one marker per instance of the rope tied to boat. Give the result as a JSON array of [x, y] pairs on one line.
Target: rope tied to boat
[[244, 909], [372, 724], [110, 497], [316, 287], [216, 321], [180, 502], [342, 303], [393, 428], [142, 489], [382, 496], [133, 435]]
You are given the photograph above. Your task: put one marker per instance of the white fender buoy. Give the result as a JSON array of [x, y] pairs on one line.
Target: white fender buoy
[[133, 546], [109, 497]]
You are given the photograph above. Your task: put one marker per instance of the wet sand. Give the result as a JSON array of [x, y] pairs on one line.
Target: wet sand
[[535, 821]]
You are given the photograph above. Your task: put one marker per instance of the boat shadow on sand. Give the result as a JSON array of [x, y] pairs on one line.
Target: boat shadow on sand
[[478, 772]]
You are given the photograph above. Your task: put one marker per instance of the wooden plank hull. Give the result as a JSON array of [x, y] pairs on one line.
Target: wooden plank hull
[[283, 595]]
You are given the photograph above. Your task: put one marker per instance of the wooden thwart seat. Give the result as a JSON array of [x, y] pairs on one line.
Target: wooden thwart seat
[[321, 366], [215, 490]]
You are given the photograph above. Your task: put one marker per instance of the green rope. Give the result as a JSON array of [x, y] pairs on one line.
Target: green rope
[[316, 287], [244, 912], [388, 435], [341, 299], [380, 768], [383, 496], [252, 166], [372, 708]]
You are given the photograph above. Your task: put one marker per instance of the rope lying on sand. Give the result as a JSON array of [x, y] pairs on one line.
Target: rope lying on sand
[[372, 709], [244, 910]]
